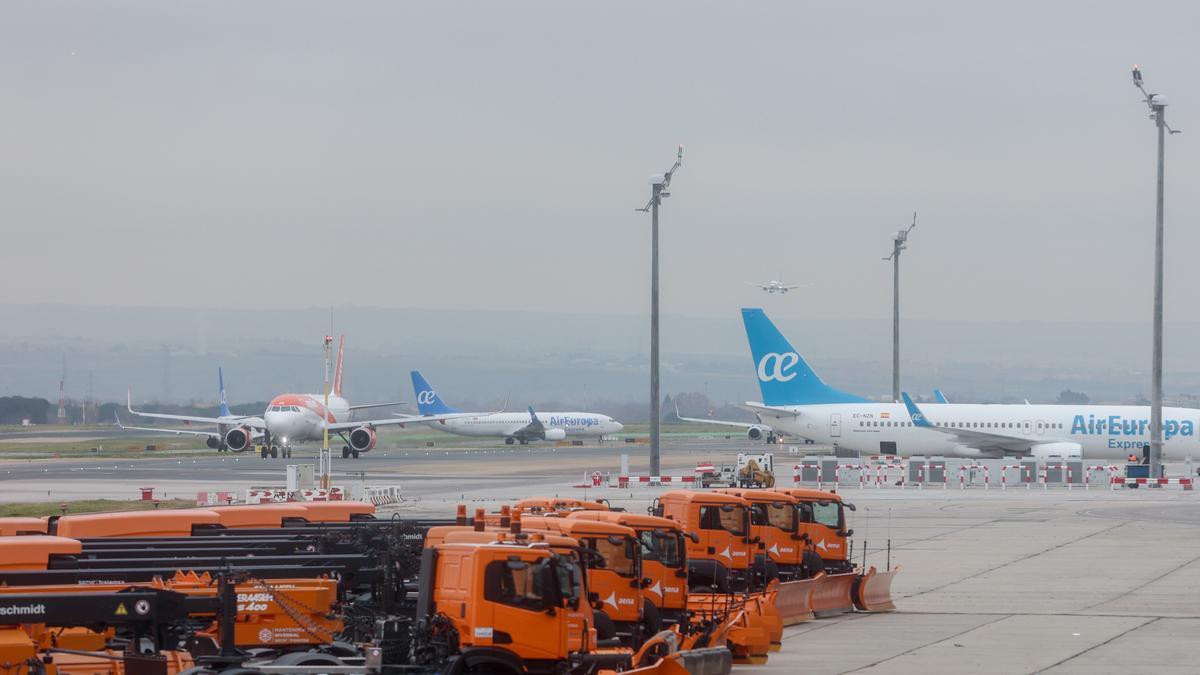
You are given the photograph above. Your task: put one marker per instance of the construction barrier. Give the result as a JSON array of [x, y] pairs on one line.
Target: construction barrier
[[832, 594], [215, 498], [272, 495], [794, 601], [873, 592], [626, 481], [1186, 483], [381, 495]]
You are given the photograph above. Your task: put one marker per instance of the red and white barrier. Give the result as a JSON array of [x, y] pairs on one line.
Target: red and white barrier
[[214, 498], [1186, 483], [652, 481], [1087, 474], [270, 495]]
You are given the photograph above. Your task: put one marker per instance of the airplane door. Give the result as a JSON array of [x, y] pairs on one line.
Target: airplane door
[[1041, 427], [1026, 427], [835, 425]]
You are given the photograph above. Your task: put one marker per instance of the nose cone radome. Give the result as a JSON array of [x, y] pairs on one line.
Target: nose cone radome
[[616, 426]]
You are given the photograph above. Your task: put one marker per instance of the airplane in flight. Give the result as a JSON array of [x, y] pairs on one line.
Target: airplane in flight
[[777, 286], [289, 419], [797, 401], [513, 427]]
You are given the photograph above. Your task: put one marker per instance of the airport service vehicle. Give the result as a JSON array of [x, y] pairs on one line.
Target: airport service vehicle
[[664, 562], [289, 419], [513, 427], [751, 470], [796, 401], [821, 521], [718, 559], [781, 551]]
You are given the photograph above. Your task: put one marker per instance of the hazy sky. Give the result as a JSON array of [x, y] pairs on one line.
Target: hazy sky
[[490, 154]]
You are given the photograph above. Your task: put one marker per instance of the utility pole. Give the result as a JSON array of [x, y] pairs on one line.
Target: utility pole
[[899, 243], [1158, 112], [660, 188], [326, 463]]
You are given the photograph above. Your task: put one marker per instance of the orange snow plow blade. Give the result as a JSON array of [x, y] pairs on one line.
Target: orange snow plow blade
[[708, 661], [794, 601], [832, 594], [747, 635], [873, 592]]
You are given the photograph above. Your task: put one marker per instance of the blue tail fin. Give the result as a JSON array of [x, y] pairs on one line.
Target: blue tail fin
[[428, 402], [784, 377], [221, 384], [939, 396]]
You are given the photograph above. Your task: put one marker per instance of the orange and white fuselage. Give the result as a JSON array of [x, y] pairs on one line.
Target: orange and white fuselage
[[295, 418]]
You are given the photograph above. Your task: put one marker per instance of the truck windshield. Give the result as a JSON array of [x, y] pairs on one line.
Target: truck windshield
[[827, 514], [661, 546], [617, 556], [513, 583], [782, 516], [731, 519]]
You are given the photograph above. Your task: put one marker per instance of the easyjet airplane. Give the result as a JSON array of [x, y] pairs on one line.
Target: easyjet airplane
[[289, 419]]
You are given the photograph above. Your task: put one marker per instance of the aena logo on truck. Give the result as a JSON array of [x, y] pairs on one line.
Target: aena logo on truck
[[775, 366]]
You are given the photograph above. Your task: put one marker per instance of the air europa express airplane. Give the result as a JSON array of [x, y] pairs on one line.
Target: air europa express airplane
[[796, 401]]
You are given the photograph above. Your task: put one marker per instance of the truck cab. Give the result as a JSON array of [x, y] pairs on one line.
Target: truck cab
[[613, 564], [512, 605], [821, 517], [774, 522], [718, 558], [664, 564]]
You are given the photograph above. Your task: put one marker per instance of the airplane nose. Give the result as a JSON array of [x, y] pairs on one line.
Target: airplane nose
[[617, 426]]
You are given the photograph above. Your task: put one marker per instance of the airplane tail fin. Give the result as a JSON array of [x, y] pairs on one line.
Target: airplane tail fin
[[337, 370], [784, 377], [939, 396], [221, 384], [428, 401]]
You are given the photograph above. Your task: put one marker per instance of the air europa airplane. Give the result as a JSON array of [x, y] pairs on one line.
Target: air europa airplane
[[796, 401]]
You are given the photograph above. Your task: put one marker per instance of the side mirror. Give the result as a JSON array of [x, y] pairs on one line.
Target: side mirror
[[850, 506], [694, 537], [849, 533], [647, 582]]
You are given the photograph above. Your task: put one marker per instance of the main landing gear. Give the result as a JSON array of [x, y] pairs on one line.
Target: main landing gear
[[348, 452]]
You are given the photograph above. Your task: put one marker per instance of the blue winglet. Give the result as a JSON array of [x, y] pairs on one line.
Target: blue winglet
[[939, 396], [533, 416], [918, 417]]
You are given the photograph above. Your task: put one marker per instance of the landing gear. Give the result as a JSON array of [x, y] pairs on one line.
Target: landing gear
[[524, 441], [345, 452], [354, 454], [508, 440], [264, 450], [274, 452]]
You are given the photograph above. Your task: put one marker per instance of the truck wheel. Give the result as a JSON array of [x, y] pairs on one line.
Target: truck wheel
[[651, 619], [605, 628], [810, 564]]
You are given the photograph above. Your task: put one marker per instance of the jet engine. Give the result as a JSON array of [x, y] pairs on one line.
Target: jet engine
[[555, 434], [239, 439], [757, 433], [362, 439], [1046, 451]]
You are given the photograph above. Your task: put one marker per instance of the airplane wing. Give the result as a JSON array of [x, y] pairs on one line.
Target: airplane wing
[[981, 440], [376, 405], [247, 420], [743, 425], [176, 432], [399, 419], [762, 286]]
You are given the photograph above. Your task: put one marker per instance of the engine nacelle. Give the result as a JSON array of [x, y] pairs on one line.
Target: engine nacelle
[[1057, 451], [362, 439], [239, 439], [555, 434], [757, 433]]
